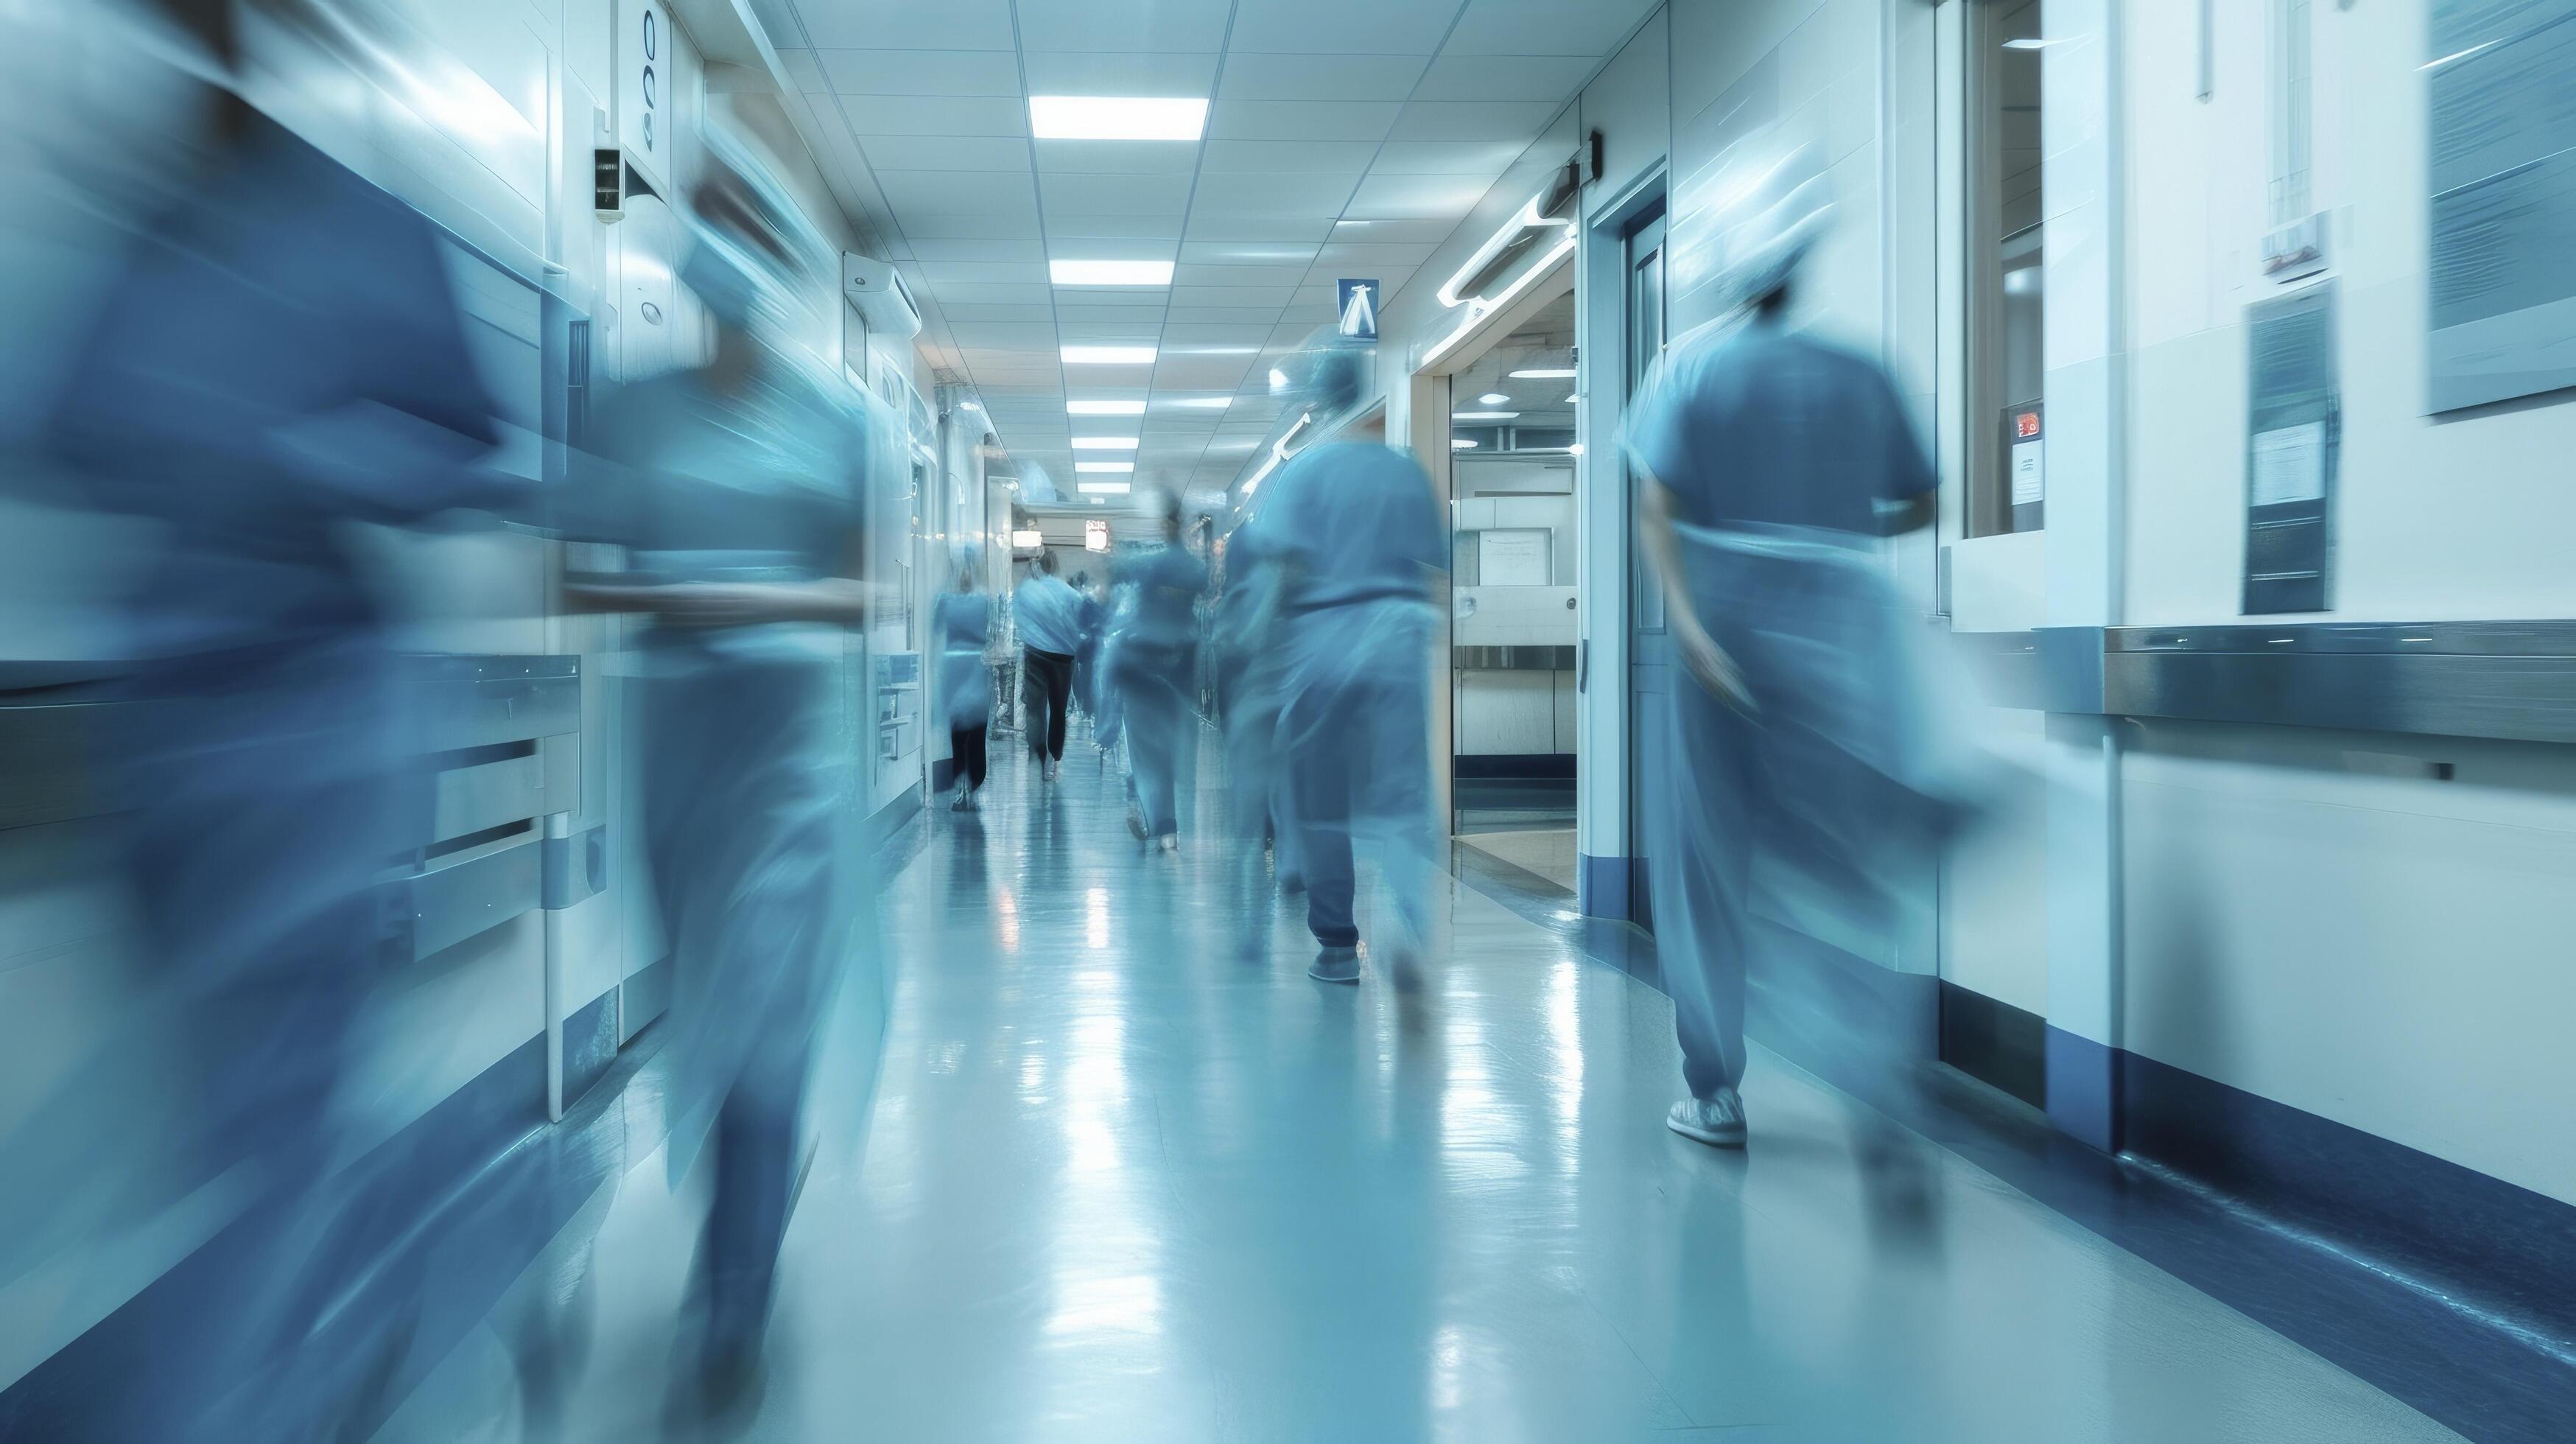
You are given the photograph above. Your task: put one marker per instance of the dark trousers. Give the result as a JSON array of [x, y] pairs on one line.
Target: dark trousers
[[1050, 689], [966, 751]]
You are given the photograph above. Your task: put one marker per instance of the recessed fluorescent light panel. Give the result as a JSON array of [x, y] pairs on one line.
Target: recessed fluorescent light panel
[[1107, 466], [1110, 273], [1494, 398], [1104, 443], [1104, 408], [1483, 415], [1460, 443], [1101, 488], [1202, 403], [1545, 373], [1116, 117], [1108, 355]]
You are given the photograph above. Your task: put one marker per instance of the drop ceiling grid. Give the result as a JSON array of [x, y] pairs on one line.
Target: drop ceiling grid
[[1324, 115]]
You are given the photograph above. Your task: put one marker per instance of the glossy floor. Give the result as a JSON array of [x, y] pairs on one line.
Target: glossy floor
[[1121, 1183]]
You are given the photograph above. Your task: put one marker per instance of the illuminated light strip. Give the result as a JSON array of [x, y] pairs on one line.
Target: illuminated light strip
[[1528, 219], [1479, 308], [1278, 454]]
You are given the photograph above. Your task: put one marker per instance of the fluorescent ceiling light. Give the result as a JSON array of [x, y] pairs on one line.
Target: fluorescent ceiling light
[[1460, 443], [1202, 403], [1545, 373], [1101, 488], [1483, 415], [1116, 117], [1104, 408], [1278, 379], [1108, 466], [1108, 355], [1104, 443], [1028, 539], [1350, 223], [1495, 398], [1218, 350], [1110, 273], [2027, 43]]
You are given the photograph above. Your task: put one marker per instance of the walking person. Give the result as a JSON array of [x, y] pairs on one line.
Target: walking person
[[1358, 539], [1767, 461], [962, 620], [1157, 663], [1049, 616]]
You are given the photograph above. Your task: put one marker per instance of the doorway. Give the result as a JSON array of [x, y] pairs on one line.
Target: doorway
[[1650, 652]]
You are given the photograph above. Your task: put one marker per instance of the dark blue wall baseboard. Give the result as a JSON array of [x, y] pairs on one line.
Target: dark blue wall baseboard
[[1604, 887], [589, 1045], [2083, 1096], [1995, 1043]]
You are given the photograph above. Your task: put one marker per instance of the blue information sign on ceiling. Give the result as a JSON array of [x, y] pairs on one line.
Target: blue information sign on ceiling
[[1358, 303]]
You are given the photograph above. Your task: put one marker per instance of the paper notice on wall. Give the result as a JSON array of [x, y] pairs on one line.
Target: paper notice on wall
[[2029, 476], [2290, 464]]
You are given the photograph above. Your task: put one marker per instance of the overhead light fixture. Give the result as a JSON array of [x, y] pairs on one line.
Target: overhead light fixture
[[1108, 355], [1109, 466], [1116, 117], [2026, 42], [1460, 443], [1350, 223], [1028, 539], [1101, 488], [1494, 398], [1575, 450], [1218, 350], [1545, 373], [1572, 397], [1110, 273], [1204, 403], [1104, 408], [1278, 379], [1483, 415], [1104, 443]]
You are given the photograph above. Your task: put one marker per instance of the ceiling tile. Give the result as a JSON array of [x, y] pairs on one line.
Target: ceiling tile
[[1448, 157], [1419, 196], [944, 152], [1131, 25], [1118, 157], [1201, 372], [936, 115], [1272, 193], [1485, 120], [1057, 72], [1031, 336], [1231, 295], [1353, 156], [1120, 309], [964, 294], [1545, 27], [1382, 255], [1385, 229], [1081, 327], [1263, 234], [1166, 229], [1301, 120], [920, 72], [1238, 246], [1250, 76], [960, 312], [1093, 194], [940, 273], [1344, 27], [904, 24], [1190, 274], [1456, 76], [1180, 338], [958, 192], [983, 226], [980, 250], [1224, 315]]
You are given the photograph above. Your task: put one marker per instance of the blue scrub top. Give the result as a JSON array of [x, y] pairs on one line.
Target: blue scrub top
[[1755, 424], [1050, 614], [1354, 522], [1169, 581], [963, 621]]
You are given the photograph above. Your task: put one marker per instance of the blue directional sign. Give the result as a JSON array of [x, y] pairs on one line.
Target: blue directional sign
[[1359, 310]]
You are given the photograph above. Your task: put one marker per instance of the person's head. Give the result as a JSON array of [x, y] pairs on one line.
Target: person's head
[[1327, 381], [753, 252], [1762, 208], [1047, 563], [1172, 516], [966, 576]]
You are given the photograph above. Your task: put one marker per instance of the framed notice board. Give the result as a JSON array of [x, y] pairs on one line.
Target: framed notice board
[[2293, 439]]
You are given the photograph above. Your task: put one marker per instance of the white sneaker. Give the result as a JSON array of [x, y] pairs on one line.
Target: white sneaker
[[1717, 1122], [1335, 965], [1136, 821], [1170, 842]]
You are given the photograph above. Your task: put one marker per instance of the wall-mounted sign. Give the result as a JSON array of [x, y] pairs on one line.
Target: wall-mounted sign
[[1358, 305], [1095, 536], [644, 99], [2293, 417], [2026, 464]]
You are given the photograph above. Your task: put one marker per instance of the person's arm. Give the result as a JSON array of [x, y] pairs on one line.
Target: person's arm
[[838, 600], [1907, 497], [1700, 653]]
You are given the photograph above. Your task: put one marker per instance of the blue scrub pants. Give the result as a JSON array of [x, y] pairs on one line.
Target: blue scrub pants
[[1699, 873], [1359, 759], [1158, 730]]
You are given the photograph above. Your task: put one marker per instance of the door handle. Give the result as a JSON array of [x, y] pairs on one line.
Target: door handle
[[1582, 663]]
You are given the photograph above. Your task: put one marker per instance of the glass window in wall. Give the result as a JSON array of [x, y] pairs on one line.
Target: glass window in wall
[[2008, 457]]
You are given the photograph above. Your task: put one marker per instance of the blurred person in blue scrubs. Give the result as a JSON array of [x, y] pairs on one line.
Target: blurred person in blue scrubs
[[1356, 535], [1157, 665], [1768, 462], [1048, 614], [1248, 666], [279, 366], [962, 620], [740, 490]]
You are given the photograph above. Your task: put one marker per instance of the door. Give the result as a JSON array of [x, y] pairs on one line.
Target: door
[[1650, 651]]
